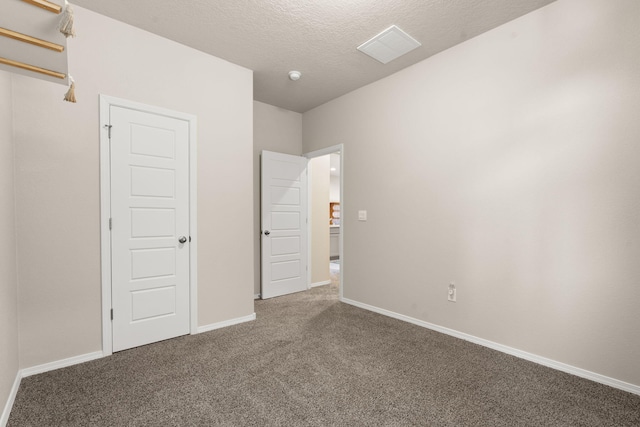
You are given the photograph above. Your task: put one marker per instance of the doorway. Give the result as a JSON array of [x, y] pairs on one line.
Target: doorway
[[326, 227], [335, 220]]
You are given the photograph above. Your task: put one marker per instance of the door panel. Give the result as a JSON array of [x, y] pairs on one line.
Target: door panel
[[150, 211], [150, 303], [284, 224], [152, 222], [285, 245], [150, 263], [152, 182]]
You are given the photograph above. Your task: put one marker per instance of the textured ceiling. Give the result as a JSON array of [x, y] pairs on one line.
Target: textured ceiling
[[318, 38]]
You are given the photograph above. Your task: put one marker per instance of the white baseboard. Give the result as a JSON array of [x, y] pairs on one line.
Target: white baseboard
[[226, 323], [325, 282], [39, 369], [46, 367], [612, 382], [4, 418]]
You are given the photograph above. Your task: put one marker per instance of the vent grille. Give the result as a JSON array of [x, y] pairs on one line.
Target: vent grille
[[389, 45]]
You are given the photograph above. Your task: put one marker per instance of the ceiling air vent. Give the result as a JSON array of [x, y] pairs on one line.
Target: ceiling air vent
[[389, 45]]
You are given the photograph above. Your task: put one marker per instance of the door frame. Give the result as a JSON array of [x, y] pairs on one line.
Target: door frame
[[311, 155], [106, 102]]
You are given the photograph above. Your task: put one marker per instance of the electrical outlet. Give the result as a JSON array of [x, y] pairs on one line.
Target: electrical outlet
[[451, 293]]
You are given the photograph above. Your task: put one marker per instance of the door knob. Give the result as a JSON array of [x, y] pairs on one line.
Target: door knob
[[267, 232], [182, 239]]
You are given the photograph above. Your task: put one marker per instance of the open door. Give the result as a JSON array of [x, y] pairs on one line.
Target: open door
[[284, 224]]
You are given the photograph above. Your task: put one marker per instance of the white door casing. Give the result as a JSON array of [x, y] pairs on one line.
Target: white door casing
[[152, 287], [284, 224]]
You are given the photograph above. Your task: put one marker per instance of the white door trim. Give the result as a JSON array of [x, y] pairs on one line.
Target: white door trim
[[319, 153], [105, 211]]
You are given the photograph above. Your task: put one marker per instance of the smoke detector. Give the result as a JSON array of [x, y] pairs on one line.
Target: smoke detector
[[295, 75]]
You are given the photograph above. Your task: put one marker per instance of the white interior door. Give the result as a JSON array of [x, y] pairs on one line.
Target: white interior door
[[150, 227], [284, 224]]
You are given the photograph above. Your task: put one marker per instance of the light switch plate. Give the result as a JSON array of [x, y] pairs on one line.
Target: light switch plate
[[362, 215]]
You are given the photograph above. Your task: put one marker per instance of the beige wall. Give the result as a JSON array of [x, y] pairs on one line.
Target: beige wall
[[319, 186], [8, 276], [508, 164], [274, 129], [57, 180]]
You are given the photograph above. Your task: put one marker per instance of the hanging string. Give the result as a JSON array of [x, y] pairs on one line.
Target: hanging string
[[70, 96], [66, 27], [66, 21]]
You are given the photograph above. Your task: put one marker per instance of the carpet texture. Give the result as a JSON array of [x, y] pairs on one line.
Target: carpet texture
[[309, 360]]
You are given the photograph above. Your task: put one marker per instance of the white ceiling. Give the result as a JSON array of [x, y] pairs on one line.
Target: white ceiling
[[318, 38]]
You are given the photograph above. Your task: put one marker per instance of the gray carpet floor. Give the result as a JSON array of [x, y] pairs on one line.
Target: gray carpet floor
[[309, 360]]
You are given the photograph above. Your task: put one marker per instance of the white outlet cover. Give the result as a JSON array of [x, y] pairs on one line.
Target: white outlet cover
[[362, 215]]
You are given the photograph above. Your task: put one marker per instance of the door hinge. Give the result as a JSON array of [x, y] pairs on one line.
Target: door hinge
[[110, 223], [108, 129], [189, 239], [112, 314]]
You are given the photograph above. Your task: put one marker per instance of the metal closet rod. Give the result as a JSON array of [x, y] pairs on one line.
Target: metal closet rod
[[44, 4], [33, 68]]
